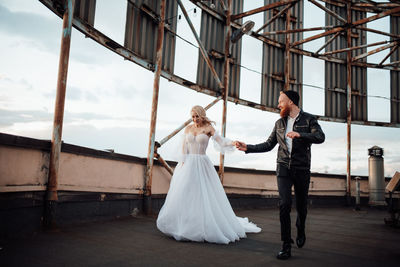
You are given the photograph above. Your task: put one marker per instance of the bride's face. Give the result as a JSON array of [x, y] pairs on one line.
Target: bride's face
[[196, 118]]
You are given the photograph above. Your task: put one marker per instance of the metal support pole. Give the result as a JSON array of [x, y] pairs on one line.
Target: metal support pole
[[226, 83], [287, 53], [56, 140], [348, 178], [156, 85]]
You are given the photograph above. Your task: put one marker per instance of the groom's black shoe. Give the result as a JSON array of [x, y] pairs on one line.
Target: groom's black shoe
[[301, 239], [285, 253]]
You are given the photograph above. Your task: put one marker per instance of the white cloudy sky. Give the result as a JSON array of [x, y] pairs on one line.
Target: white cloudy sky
[[108, 99]]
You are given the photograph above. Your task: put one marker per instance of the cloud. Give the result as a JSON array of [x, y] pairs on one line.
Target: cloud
[[31, 26]]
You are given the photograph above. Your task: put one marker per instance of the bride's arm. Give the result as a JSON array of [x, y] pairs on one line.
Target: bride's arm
[[221, 144]]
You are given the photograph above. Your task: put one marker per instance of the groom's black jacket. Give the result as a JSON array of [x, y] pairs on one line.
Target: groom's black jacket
[[310, 132]]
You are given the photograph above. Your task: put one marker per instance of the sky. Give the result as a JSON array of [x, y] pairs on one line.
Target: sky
[[108, 99]]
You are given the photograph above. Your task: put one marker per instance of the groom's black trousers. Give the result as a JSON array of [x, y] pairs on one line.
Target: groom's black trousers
[[300, 179]]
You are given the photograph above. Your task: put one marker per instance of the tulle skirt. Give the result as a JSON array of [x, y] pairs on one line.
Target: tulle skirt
[[196, 207]]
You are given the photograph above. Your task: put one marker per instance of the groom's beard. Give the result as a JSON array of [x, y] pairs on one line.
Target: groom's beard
[[285, 111]]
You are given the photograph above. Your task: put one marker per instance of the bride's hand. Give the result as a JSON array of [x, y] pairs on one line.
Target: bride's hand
[[240, 145]]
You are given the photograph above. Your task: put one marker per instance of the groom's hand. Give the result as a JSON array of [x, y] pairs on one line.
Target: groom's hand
[[293, 135], [240, 145]]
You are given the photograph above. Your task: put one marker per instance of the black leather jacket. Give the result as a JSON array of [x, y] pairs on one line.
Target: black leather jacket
[[300, 158]]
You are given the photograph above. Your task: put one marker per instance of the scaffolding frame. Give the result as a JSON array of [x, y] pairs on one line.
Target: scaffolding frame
[[84, 22]]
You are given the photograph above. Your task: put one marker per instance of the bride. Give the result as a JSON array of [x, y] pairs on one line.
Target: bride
[[196, 207]]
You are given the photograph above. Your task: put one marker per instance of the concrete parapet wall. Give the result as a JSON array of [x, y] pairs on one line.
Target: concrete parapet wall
[[24, 167]]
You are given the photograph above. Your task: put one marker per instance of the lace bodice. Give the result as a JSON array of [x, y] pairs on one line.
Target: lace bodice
[[196, 144]]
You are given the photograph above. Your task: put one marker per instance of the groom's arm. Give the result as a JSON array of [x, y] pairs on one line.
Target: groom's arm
[[264, 147]]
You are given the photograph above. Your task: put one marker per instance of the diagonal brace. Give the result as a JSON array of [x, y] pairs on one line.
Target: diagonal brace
[[202, 49]]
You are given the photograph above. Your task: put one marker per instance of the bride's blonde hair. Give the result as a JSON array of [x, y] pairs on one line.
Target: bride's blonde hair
[[199, 110]]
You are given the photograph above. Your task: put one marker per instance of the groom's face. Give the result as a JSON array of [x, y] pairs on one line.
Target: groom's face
[[284, 105]]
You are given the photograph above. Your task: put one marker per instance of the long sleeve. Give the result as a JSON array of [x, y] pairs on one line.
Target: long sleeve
[[222, 144], [266, 146]]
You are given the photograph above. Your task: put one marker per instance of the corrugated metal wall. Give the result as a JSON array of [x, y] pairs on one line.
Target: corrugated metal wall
[[212, 35], [359, 74], [141, 30], [85, 10], [395, 76], [273, 64], [336, 73]]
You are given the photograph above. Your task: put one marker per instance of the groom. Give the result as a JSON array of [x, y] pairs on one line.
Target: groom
[[295, 131]]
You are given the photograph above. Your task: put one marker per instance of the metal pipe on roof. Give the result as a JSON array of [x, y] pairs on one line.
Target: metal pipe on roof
[[226, 83], [156, 87], [56, 140]]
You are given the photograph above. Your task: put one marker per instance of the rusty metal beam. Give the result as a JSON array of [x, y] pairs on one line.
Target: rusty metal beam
[[356, 23], [379, 49], [353, 48], [349, 78], [377, 16], [396, 36], [392, 63], [277, 15], [168, 137], [262, 9], [317, 36], [373, 7], [156, 87], [164, 163], [328, 42], [201, 46], [299, 30], [335, 3], [327, 10], [226, 83], [388, 55], [56, 140]]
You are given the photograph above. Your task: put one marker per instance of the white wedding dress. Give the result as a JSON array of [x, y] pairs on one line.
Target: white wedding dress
[[196, 207]]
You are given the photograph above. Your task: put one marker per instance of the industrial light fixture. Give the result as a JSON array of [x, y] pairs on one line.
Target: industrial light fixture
[[244, 29]]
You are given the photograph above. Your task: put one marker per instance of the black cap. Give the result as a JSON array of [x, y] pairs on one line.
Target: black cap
[[293, 95]]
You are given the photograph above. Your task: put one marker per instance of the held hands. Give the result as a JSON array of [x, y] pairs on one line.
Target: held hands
[[293, 135], [240, 145]]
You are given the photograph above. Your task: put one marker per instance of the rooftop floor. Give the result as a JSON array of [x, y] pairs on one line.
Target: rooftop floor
[[335, 237]]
